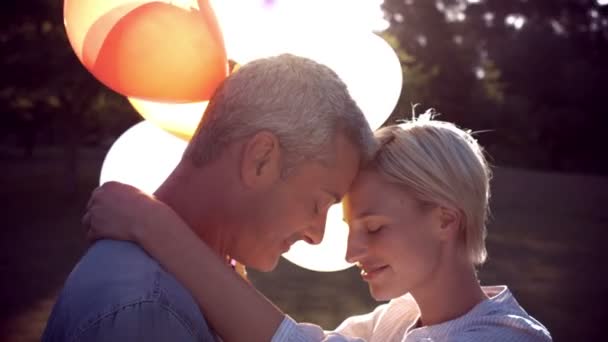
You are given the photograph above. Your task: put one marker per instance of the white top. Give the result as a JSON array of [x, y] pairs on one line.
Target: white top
[[499, 318]]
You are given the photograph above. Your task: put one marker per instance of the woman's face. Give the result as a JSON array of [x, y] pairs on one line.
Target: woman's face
[[392, 236]]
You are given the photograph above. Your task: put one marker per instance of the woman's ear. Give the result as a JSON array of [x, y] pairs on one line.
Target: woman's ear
[[450, 220], [261, 160]]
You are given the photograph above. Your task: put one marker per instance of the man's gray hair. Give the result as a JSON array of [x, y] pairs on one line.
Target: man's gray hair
[[304, 103]]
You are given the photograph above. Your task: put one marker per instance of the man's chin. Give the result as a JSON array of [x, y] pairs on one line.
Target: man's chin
[[266, 265]]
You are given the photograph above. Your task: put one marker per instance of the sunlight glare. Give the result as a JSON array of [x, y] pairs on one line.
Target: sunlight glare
[[330, 254]]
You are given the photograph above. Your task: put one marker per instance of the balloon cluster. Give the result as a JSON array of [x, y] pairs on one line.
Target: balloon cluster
[[168, 57]]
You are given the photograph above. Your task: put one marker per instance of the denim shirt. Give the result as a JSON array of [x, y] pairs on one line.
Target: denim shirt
[[117, 292]]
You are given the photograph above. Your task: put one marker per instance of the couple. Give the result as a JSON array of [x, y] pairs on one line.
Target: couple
[[281, 141]]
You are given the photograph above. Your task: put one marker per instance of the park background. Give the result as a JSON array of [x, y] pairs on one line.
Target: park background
[[528, 75]]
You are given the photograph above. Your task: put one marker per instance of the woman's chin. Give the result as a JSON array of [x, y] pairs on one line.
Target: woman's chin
[[383, 293], [380, 294]]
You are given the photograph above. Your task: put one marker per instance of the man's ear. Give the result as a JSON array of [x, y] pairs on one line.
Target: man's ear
[[450, 221], [260, 162]]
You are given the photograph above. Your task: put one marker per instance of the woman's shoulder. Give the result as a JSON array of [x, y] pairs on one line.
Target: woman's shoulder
[[502, 318]]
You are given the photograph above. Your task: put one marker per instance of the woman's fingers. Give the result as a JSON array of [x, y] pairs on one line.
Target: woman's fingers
[[115, 210], [92, 235], [95, 195], [86, 219], [87, 223]]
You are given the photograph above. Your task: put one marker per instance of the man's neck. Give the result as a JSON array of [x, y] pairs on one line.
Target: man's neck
[[197, 204]]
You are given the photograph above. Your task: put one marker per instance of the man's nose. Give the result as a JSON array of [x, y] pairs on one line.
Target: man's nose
[[356, 247], [314, 234]]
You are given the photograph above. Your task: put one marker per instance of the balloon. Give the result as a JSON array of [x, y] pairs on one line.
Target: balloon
[[366, 63], [143, 157], [329, 255], [170, 51], [356, 16], [180, 119], [374, 78], [363, 60], [245, 26], [249, 27]]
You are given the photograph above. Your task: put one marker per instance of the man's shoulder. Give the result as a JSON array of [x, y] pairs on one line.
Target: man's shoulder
[[115, 270], [113, 278]]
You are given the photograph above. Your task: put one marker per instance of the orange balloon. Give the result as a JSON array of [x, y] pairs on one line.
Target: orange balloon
[[209, 17], [163, 50], [79, 16], [99, 30], [179, 119], [164, 53]]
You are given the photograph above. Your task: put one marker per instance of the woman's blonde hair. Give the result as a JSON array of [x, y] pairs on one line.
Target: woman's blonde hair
[[440, 164]]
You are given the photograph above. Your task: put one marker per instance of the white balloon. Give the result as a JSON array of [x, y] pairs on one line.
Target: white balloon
[[364, 61], [330, 254], [143, 157]]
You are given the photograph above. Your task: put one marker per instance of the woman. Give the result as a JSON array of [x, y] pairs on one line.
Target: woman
[[416, 218]]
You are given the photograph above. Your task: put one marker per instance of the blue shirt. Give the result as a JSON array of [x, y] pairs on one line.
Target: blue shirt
[[117, 292]]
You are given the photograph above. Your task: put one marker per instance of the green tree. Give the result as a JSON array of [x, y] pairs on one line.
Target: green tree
[[531, 71]]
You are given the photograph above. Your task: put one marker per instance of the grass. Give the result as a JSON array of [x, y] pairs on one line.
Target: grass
[[545, 241]]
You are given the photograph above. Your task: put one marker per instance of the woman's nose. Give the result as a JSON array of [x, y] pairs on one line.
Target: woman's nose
[[356, 248]]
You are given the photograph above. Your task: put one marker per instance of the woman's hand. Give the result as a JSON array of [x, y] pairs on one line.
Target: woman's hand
[[121, 212]]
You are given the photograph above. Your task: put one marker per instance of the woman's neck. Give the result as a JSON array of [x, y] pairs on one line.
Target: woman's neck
[[452, 292]]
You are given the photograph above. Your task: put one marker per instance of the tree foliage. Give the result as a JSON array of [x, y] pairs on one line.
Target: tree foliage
[[530, 71], [46, 95]]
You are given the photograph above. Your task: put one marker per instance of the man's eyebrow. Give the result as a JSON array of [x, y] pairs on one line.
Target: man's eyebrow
[[335, 195]]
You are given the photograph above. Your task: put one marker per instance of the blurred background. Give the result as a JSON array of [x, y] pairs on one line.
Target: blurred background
[[528, 75]]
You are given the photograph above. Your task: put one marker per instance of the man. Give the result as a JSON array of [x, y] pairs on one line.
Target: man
[[280, 142]]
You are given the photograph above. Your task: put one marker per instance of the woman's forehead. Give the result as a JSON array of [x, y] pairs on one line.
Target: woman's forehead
[[369, 194], [367, 182]]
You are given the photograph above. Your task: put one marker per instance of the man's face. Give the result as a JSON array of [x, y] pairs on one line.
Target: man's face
[[295, 208]]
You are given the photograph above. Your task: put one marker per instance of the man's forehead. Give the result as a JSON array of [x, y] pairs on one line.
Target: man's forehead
[[338, 181]]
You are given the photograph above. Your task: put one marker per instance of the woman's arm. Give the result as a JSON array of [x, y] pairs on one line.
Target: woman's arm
[[234, 308]]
